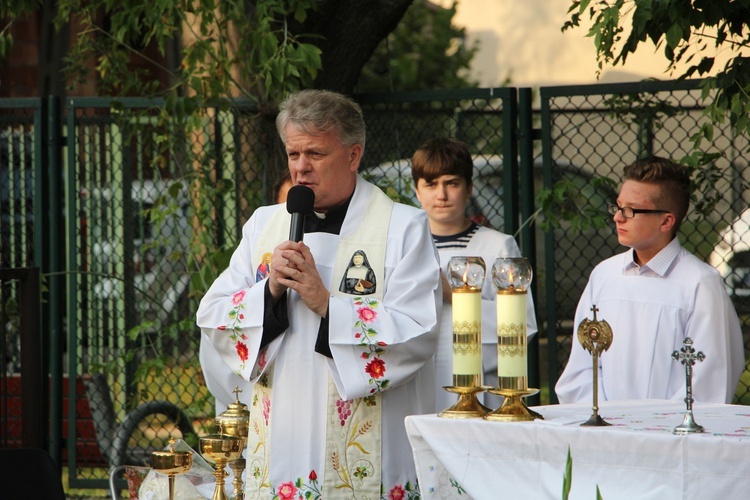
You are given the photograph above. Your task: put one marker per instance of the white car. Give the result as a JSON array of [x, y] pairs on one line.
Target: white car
[[731, 256]]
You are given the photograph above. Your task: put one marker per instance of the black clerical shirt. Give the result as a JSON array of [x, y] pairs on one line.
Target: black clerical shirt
[[276, 317]]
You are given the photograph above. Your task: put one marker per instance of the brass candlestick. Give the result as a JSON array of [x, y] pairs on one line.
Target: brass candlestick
[[235, 421], [171, 463], [467, 406], [595, 336], [513, 408], [219, 450], [466, 277], [512, 277]]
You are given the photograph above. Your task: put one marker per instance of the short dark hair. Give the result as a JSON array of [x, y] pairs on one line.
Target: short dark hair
[[673, 180], [442, 156]]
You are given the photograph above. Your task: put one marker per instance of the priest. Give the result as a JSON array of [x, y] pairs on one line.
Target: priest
[[335, 370]]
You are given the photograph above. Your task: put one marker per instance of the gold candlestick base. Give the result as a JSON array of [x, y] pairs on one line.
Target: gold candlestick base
[[238, 466], [467, 406], [513, 408]]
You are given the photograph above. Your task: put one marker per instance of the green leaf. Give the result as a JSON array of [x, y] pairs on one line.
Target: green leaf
[[674, 35], [568, 476]]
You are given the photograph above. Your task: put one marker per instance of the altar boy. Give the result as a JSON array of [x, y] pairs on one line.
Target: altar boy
[[654, 296]]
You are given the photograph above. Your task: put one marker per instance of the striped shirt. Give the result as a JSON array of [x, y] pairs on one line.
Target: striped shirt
[[460, 240]]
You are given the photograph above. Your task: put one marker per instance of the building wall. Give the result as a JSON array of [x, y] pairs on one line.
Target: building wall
[[19, 75], [523, 40]]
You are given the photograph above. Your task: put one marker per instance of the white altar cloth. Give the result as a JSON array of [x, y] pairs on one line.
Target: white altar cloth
[[638, 457]]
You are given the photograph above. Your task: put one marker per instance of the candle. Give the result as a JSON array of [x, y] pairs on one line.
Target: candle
[[511, 277], [467, 337], [512, 371], [466, 276]]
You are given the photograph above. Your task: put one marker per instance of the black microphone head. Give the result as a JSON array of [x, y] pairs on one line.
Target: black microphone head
[[300, 200]]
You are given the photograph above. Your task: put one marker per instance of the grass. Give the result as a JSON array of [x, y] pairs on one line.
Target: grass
[[85, 493]]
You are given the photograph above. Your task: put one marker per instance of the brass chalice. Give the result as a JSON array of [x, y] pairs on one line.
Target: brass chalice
[[171, 463], [235, 421], [220, 449]]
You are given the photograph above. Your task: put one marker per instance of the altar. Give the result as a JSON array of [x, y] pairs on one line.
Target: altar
[[637, 457]]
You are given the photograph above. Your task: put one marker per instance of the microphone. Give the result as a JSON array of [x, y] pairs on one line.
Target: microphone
[[299, 203]]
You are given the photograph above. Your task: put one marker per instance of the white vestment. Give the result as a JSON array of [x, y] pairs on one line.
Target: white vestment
[[489, 245], [402, 325], [650, 318]]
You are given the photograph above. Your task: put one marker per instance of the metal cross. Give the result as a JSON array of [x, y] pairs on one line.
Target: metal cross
[[237, 392], [596, 337], [687, 356]]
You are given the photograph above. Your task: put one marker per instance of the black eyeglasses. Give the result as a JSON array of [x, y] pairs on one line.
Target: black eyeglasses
[[629, 213]]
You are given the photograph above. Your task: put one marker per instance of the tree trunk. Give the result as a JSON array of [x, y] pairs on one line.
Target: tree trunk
[[351, 30]]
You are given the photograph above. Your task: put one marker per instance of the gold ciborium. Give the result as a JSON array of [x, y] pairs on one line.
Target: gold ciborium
[[171, 463], [235, 421], [219, 449]]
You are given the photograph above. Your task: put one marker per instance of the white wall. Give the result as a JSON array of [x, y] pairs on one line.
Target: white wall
[[522, 39]]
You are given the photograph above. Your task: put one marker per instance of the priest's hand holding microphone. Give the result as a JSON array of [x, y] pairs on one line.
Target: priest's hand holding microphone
[[293, 265]]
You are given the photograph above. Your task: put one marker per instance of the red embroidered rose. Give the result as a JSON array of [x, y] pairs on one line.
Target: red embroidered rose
[[397, 493], [366, 314], [376, 368], [364, 355], [286, 491], [262, 358], [381, 343], [242, 351], [237, 297], [313, 476], [223, 327]]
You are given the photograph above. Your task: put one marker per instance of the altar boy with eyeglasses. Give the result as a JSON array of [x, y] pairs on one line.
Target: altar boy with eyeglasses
[[654, 296]]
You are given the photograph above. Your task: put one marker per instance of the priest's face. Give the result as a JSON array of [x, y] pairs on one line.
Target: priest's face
[[321, 162], [444, 199], [646, 233]]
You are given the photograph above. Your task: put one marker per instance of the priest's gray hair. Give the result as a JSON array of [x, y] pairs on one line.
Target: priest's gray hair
[[318, 111]]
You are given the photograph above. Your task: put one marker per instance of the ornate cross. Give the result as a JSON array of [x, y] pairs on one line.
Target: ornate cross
[[596, 337], [687, 356]]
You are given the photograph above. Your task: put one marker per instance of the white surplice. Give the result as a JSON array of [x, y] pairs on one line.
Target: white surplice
[[651, 315], [489, 245], [405, 326]]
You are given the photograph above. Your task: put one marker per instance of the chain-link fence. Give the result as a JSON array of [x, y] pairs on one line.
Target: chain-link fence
[[157, 202], [155, 196], [603, 128]]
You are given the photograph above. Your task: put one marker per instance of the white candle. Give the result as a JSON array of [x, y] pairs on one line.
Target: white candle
[[512, 368], [467, 337]]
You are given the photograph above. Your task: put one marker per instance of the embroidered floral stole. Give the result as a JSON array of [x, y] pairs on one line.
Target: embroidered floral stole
[[353, 428]]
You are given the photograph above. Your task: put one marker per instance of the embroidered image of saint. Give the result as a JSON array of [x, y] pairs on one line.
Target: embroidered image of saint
[[264, 268], [359, 278]]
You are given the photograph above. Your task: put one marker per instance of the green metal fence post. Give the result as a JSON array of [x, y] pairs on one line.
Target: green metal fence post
[[54, 308], [526, 137]]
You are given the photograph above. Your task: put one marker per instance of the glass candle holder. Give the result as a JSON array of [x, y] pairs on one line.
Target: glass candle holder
[[466, 277]]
